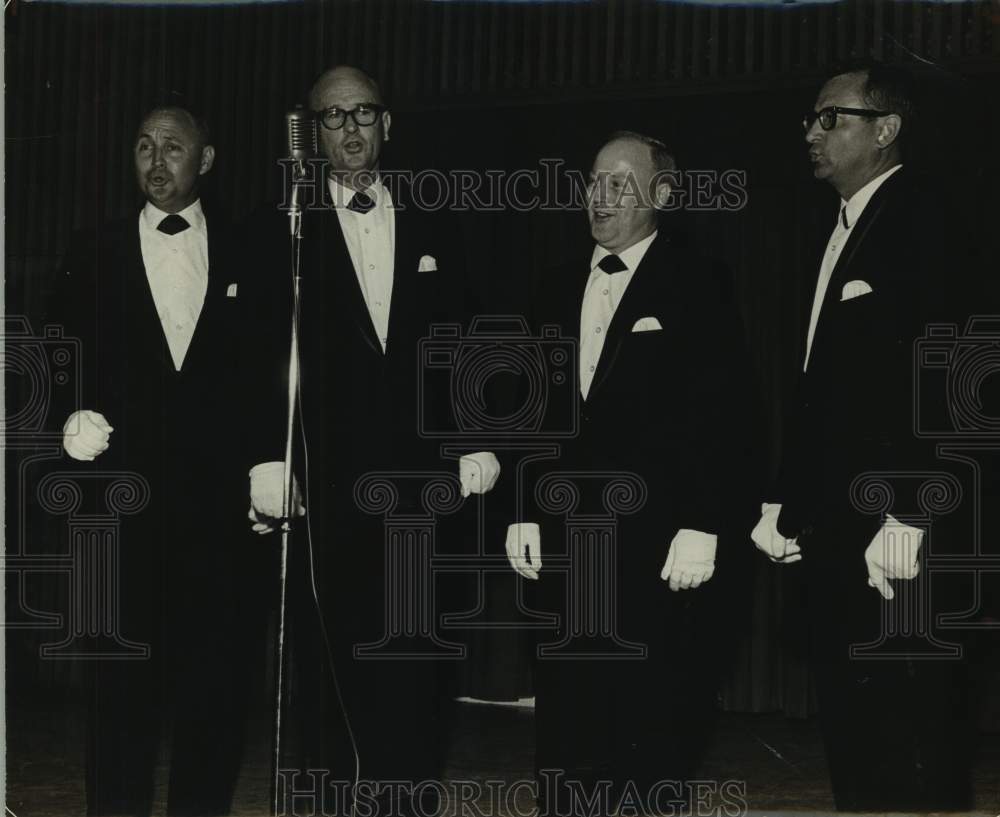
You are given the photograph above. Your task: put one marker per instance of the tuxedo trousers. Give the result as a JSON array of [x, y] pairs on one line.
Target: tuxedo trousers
[[896, 723], [628, 715], [192, 602]]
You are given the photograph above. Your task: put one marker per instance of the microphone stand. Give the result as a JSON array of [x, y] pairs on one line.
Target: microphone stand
[[287, 499]]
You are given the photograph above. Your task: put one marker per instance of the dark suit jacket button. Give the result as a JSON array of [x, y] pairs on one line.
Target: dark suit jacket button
[[807, 530]]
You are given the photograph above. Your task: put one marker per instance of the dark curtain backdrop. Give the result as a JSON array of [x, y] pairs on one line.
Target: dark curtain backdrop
[[492, 85]]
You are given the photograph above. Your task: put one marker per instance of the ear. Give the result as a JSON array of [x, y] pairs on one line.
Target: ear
[[889, 130], [386, 122], [663, 191], [207, 158]]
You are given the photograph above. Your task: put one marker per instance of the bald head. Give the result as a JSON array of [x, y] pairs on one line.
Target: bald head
[[341, 76]]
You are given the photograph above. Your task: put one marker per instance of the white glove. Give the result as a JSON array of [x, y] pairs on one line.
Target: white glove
[[893, 554], [767, 539], [267, 489], [478, 472], [690, 559], [525, 537], [86, 434]]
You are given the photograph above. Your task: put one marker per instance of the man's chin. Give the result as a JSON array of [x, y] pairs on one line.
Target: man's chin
[[354, 163], [159, 193], [601, 233]]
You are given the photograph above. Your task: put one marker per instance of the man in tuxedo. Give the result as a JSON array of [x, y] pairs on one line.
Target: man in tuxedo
[[893, 725], [375, 279], [153, 299], [624, 715]]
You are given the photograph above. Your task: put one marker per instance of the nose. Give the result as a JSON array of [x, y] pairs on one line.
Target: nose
[[350, 123], [157, 156], [814, 132]]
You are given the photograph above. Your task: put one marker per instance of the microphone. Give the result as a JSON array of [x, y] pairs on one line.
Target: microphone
[[301, 131], [301, 134]]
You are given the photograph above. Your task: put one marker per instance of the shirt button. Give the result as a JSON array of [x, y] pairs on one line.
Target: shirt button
[[591, 368], [367, 231], [605, 292], [598, 330], [371, 266]]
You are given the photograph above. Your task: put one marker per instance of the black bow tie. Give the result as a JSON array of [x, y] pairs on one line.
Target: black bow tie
[[173, 224], [361, 203], [612, 264]]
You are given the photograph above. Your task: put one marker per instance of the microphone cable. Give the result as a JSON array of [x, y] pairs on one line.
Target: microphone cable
[[316, 602]]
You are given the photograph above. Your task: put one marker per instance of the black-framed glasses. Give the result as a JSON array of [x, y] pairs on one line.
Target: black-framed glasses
[[363, 115], [828, 116]]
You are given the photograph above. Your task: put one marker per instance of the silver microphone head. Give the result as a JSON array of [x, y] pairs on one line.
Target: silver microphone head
[[301, 133]]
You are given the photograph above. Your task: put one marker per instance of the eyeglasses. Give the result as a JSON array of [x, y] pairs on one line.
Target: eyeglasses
[[828, 116], [363, 115]]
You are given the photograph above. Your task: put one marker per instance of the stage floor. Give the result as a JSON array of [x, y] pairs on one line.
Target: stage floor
[[779, 760]]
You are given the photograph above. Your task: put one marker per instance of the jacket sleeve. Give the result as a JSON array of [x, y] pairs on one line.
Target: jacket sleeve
[[263, 259]]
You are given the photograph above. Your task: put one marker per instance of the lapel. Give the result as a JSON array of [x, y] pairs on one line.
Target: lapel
[[337, 274], [146, 327], [859, 238], [402, 277], [210, 321], [634, 301]]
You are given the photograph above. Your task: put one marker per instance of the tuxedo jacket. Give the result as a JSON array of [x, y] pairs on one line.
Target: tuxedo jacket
[[855, 407], [182, 554], [665, 405], [178, 429], [362, 407]]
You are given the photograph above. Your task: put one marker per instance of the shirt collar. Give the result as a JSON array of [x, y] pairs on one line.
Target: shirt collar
[[856, 206], [341, 195], [630, 257], [192, 214]]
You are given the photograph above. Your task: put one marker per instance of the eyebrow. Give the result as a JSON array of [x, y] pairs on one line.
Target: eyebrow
[[168, 135]]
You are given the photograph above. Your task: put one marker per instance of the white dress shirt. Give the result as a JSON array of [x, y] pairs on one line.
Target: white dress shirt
[[371, 241], [601, 297], [850, 212], [177, 272]]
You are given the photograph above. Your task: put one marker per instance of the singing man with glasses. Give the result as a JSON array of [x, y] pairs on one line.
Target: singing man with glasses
[[375, 277], [893, 724]]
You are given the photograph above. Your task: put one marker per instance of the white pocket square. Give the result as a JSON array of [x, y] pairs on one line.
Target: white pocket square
[[428, 263], [231, 291], [647, 325], [854, 289]]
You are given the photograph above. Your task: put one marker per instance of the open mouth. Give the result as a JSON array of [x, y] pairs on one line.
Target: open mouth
[[600, 216], [354, 146], [158, 179]]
